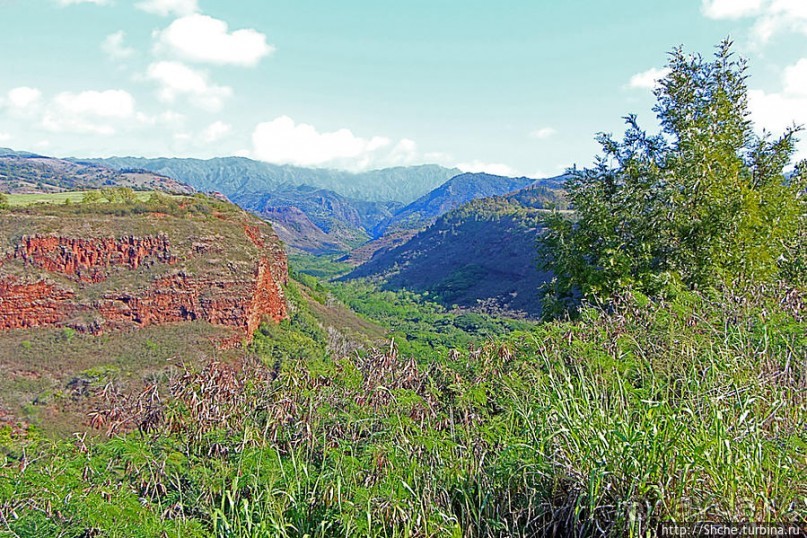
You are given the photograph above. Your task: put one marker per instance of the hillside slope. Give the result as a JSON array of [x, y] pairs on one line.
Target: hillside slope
[[481, 256], [316, 220], [24, 173], [453, 193], [298, 233]]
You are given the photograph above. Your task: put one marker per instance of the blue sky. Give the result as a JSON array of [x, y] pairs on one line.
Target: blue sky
[[516, 87]]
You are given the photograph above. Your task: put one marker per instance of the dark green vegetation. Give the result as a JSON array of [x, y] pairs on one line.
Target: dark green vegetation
[[420, 327], [239, 175], [481, 256], [320, 267], [24, 173], [706, 201], [453, 193]]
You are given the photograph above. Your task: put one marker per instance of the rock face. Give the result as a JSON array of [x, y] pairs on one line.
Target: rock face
[[24, 305], [88, 259], [227, 270]]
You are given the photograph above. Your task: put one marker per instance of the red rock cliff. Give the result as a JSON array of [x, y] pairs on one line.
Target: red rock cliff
[[57, 280], [88, 259]]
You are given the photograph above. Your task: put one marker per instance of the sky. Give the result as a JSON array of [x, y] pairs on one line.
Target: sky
[[516, 87]]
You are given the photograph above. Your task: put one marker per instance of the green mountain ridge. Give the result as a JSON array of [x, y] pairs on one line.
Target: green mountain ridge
[[450, 195], [232, 175], [481, 256]]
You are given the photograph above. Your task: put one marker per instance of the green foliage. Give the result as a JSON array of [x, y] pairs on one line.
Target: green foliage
[[91, 197], [3, 201], [421, 327], [794, 260], [298, 338], [322, 267], [122, 195], [688, 408], [68, 334], [705, 201]]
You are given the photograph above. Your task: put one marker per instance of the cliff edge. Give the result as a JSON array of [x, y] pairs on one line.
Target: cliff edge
[[95, 268]]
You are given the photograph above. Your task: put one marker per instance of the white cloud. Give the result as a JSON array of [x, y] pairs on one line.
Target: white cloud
[[282, 141], [543, 133], [199, 38], [404, 153], [795, 78], [114, 48], [216, 131], [168, 118], [5, 137], [776, 111], [177, 79], [438, 157], [73, 2], [164, 8], [772, 16], [23, 97], [648, 80], [94, 112], [730, 9], [498, 169]]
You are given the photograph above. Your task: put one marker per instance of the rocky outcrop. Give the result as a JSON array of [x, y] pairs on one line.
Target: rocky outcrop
[[32, 304], [180, 297], [87, 260], [96, 284]]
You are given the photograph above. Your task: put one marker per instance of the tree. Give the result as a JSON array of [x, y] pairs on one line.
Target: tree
[[705, 201], [91, 197]]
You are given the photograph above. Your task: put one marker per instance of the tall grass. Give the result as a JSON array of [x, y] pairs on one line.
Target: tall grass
[[690, 408]]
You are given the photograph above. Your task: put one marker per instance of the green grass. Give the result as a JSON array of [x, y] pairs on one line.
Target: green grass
[[321, 267], [21, 200], [421, 327], [690, 408]]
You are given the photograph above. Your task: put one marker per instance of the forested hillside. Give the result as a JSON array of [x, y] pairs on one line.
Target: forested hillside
[[481, 256]]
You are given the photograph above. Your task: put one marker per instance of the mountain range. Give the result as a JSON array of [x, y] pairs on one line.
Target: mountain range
[[237, 175], [453, 193], [320, 221], [469, 242]]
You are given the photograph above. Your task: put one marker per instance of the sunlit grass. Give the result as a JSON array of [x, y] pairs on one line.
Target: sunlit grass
[[687, 409], [18, 200]]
